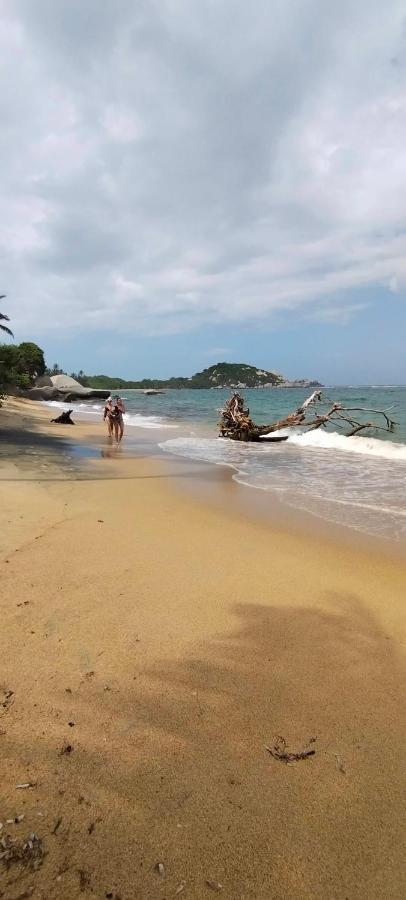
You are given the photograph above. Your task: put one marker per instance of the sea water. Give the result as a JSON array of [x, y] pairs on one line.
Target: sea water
[[359, 482]]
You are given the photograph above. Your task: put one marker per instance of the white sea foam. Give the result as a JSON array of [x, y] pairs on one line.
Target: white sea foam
[[94, 409], [91, 408], [139, 421], [363, 489], [331, 440]]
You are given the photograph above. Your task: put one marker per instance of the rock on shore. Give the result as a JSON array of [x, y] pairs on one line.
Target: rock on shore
[[63, 387]]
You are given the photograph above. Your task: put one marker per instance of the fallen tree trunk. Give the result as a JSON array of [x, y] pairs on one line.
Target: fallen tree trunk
[[64, 418], [237, 424]]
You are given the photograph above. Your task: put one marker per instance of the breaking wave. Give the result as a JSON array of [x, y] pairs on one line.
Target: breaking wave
[[86, 410], [357, 482]]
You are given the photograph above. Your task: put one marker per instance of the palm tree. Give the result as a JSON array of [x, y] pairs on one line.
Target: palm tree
[[4, 318]]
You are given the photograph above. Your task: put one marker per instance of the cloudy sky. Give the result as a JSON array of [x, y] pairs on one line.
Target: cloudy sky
[[185, 181]]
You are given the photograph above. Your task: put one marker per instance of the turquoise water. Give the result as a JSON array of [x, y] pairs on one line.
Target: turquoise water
[[265, 405], [358, 482]]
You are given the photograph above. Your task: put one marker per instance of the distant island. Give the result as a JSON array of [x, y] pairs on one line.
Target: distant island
[[23, 371], [221, 375]]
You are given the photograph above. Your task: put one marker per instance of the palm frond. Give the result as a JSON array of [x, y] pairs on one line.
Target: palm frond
[[7, 330], [4, 327]]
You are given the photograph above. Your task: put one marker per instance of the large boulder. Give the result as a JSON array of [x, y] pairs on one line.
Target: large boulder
[[67, 385], [43, 381], [63, 387], [42, 393]]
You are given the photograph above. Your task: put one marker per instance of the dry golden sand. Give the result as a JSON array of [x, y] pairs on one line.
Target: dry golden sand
[[181, 640]]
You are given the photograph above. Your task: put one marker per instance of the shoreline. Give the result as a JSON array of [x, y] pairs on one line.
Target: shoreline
[[168, 640], [207, 481]]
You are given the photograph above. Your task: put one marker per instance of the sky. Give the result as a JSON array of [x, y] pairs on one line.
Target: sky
[[190, 181]]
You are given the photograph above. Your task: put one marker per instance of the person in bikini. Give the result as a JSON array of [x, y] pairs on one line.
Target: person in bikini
[[116, 417], [108, 409]]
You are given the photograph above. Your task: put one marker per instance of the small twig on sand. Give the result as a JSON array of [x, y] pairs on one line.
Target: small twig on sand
[[196, 694], [5, 700], [56, 826], [339, 764], [279, 751]]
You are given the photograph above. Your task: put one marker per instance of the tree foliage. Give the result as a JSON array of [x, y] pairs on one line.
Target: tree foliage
[[20, 364], [55, 370], [31, 358]]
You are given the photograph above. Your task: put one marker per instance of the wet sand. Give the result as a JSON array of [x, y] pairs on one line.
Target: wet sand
[[180, 639]]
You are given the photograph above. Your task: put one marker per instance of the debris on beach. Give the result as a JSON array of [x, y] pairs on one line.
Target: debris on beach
[[29, 853], [64, 418], [214, 885], [56, 826], [160, 869], [26, 784], [84, 880], [5, 700], [236, 422], [341, 768], [180, 888], [66, 749], [279, 751]]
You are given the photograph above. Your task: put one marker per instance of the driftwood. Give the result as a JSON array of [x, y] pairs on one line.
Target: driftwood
[[279, 751], [64, 418], [237, 424]]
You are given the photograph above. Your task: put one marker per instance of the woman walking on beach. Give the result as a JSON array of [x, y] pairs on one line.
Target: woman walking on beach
[[117, 419], [108, 409]]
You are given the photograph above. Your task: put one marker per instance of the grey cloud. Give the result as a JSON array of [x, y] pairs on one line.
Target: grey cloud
[[77, 244], [230, 160]]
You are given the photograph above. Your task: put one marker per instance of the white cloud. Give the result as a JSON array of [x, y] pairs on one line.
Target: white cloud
[[166, 165], [127, 288]]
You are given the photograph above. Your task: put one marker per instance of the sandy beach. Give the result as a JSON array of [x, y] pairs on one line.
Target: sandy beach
[[153, 645]]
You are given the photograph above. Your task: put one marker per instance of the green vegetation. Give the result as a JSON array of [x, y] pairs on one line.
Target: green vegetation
[[56, 370], [220, 375], [234, 375], [20, 364]]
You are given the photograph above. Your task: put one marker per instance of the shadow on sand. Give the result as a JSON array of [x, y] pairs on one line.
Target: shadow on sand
[[173, 767]]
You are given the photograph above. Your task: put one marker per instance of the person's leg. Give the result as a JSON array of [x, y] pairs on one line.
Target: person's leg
[[116, 430], [121, 428]]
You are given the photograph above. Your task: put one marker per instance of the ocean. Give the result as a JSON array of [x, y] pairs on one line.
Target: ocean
[[358, 482]]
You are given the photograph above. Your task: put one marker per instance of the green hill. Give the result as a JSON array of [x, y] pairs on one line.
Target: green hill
[[220, 375], [234, 375], [228, 375]]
